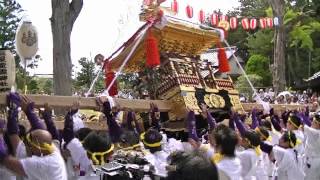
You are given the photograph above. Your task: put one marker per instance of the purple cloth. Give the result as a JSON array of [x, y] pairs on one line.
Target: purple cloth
[[33, 118], [13, 100], [254, 116], [68, 133], [2, 123], [240, 125], [47, 116], [115, 130], [192, 131], [231, 121], [305, 117], [265, 147], [12, 124], [276, 122], [3, 149], [211, 121], [154, 120], [129, 120]]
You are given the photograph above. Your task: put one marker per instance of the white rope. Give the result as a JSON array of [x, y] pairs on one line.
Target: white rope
[[94, 82], [140, 37], [244, 73]]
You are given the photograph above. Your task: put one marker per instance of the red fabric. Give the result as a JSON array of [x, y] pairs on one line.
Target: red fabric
[[152, 51], [223, 60], [109, 75]]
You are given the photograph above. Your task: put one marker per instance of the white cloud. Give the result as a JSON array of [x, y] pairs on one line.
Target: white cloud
[[102, 26]]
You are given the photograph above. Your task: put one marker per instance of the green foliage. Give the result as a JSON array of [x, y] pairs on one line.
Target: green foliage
[[243, 86], [261, 43], [9, 11], [86, 74], [259, 65], [48, 86], [33, 87]]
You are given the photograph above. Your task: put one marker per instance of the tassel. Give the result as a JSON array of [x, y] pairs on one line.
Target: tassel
[[109, 75], [152, 51], [223, 60]]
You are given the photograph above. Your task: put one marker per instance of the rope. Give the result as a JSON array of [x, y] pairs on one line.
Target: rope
[[140, 37], [244, 73]]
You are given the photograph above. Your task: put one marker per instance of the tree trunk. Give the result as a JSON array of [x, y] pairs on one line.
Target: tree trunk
[[63, 17], [278, 70]]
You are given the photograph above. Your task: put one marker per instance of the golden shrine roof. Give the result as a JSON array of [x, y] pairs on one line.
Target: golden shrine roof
[[176, 36]]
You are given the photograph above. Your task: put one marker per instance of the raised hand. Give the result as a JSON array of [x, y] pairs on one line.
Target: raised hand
[[13, 100], [3, 149]]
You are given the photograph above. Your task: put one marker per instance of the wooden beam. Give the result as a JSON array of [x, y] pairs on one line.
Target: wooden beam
[[90, 103]]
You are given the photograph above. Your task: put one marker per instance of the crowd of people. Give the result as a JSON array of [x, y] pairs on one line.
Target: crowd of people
[[286, 97], [245, 146]]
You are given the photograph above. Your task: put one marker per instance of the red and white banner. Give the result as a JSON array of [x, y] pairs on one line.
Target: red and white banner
[[201, 16], [189, 11], [233, 23], [174, 6], [214, 19], [253, 24], [263, 23], [269, 22], [245, 23], [223, 18]]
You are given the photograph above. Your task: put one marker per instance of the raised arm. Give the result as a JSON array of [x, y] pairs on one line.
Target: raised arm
[[255, 120], [240, 125], [192, 130], [47, 116], [276, 123], [207, 115], [13, 102], [28, 108], [114, 128], [155, 116]]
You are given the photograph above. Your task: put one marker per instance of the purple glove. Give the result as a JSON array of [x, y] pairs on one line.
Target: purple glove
[[47, 116], [2, 123], [68, 133], [265, 147], [192, 131], [211, 121], [13, 102], [255, 121], [240, 126], [276, 123], [154, 119], [33, 118], [115, 130], [129, 120], [3, 149]]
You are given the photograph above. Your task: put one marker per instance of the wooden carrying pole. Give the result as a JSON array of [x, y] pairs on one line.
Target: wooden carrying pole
[[91, 103], [138, 105]]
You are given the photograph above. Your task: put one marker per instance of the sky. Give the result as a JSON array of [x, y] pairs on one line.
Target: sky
[[102, 26]]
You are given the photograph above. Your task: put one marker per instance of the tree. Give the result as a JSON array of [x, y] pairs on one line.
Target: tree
[[48, 86], [259, 65], [86, 75], [64, 14], [9, 11], [33, 86], [243, 86], [278, 66]]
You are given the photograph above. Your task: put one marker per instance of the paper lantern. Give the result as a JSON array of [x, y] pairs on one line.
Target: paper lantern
[[245, 23], [269, 22], [201, 16], [8, 72], [189, 11], [263, 23], [223, 18], [253, 24], [27, 40], [276, 21], [214, 20], [174, 6], [233, 23]]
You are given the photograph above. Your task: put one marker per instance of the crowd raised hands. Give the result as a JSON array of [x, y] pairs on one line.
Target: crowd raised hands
[[256, 145]]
